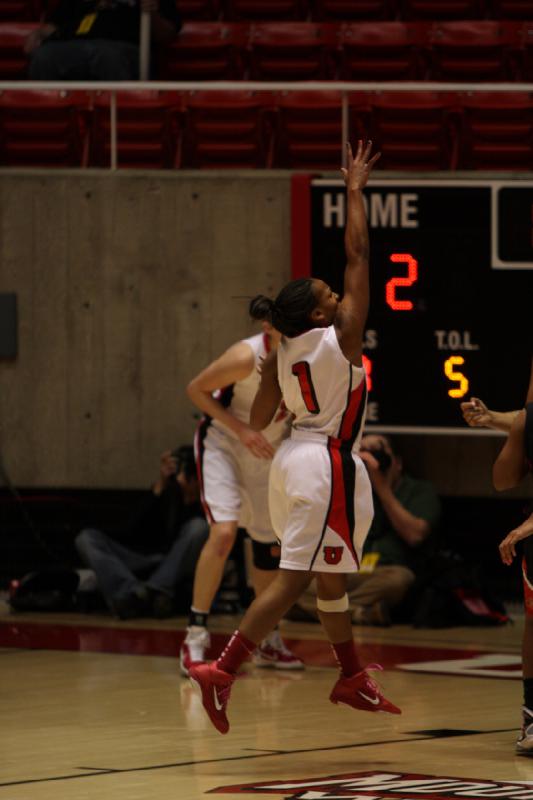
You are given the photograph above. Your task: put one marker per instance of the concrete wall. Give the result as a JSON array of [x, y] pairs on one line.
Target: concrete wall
[[127, 285]]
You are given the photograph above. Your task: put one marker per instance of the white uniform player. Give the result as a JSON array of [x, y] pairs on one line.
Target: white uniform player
[[320, 492], [320, 495], [233, 466], [234, 483]]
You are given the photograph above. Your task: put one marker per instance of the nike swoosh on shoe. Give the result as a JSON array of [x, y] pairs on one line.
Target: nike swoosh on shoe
[[218, 704], [373, 700]]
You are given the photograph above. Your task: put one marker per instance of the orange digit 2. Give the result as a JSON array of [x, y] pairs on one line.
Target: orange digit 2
[[303, 372]]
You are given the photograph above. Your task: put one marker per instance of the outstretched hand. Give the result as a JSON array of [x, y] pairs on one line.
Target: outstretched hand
[[476, 414], [358, 167]]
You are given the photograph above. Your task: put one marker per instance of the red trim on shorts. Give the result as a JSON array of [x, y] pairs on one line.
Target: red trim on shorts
[[339, 518], [528, 590], [301, 226], [224, 397], [201, 433]]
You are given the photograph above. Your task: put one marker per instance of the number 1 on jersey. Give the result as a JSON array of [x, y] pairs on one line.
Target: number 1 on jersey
[[302, 371]]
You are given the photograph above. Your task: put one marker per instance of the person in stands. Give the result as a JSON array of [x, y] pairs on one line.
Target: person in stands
[[97, 40]]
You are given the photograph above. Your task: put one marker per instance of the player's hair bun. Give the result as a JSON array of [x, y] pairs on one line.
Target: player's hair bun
[[261, 307]]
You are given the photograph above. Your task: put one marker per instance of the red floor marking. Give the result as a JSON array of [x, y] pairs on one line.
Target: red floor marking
[[150, 642]]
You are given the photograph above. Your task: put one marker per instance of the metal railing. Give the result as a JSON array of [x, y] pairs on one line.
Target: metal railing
[[344, 87]]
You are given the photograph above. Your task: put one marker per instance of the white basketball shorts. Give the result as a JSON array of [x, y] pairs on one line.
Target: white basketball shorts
[[320, 503], [233, 483]]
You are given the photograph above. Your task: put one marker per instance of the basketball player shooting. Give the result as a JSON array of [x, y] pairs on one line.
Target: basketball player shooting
[[320, 495]]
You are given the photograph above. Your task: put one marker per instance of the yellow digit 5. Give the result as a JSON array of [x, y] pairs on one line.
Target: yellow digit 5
[[452, 375]]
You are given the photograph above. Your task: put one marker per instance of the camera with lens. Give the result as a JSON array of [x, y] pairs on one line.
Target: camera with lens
[[185, 462], [383, 458]]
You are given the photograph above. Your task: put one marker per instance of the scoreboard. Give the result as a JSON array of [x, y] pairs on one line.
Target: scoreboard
[[451, 304]]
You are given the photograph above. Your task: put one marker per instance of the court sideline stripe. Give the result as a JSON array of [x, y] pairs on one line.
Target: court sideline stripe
[[244, 758]]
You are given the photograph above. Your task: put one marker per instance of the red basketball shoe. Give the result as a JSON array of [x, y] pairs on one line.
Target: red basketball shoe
[[274, 653], [215, 687], [362, 692]]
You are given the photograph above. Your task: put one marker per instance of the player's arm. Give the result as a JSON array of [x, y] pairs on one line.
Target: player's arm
[[353, 309], [511, 466], [507, 547], [268, 397], [477, 415], [234, 365], [529, 398]]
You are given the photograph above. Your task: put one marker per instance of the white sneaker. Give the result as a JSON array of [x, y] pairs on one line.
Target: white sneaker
[[273, 652], [524, 744], [194, 647]]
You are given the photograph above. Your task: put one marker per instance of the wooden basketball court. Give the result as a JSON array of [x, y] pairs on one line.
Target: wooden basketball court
[[94, 709]]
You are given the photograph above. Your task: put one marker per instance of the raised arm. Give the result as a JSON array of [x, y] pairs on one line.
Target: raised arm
[[353, 309], [234, 365]]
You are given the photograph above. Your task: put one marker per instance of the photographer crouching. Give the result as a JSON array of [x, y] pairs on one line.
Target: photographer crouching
[[151, 570]]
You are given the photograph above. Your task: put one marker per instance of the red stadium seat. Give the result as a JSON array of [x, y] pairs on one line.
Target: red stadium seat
[[148, 130], [19, 10], [442, 9], [13, 60], [477, 50], [265, 9], [526, 41], [309, 130], [413, 130], [512, 9], [199, 9], [292, 51], [343, 10], [227, 129], [206, 51], [43, 129], [382, 51], [496, 131]]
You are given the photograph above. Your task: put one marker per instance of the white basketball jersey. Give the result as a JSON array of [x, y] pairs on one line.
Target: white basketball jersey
[[325, 393], [239, 396]]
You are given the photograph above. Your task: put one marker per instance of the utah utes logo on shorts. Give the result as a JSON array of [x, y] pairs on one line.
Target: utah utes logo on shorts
[[333, 555]]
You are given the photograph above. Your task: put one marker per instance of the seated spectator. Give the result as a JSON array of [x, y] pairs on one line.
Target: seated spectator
[[406, 516], [97, 39], [167, 536]]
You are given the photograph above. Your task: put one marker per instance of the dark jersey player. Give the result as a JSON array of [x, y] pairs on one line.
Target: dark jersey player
[[514, 462]]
